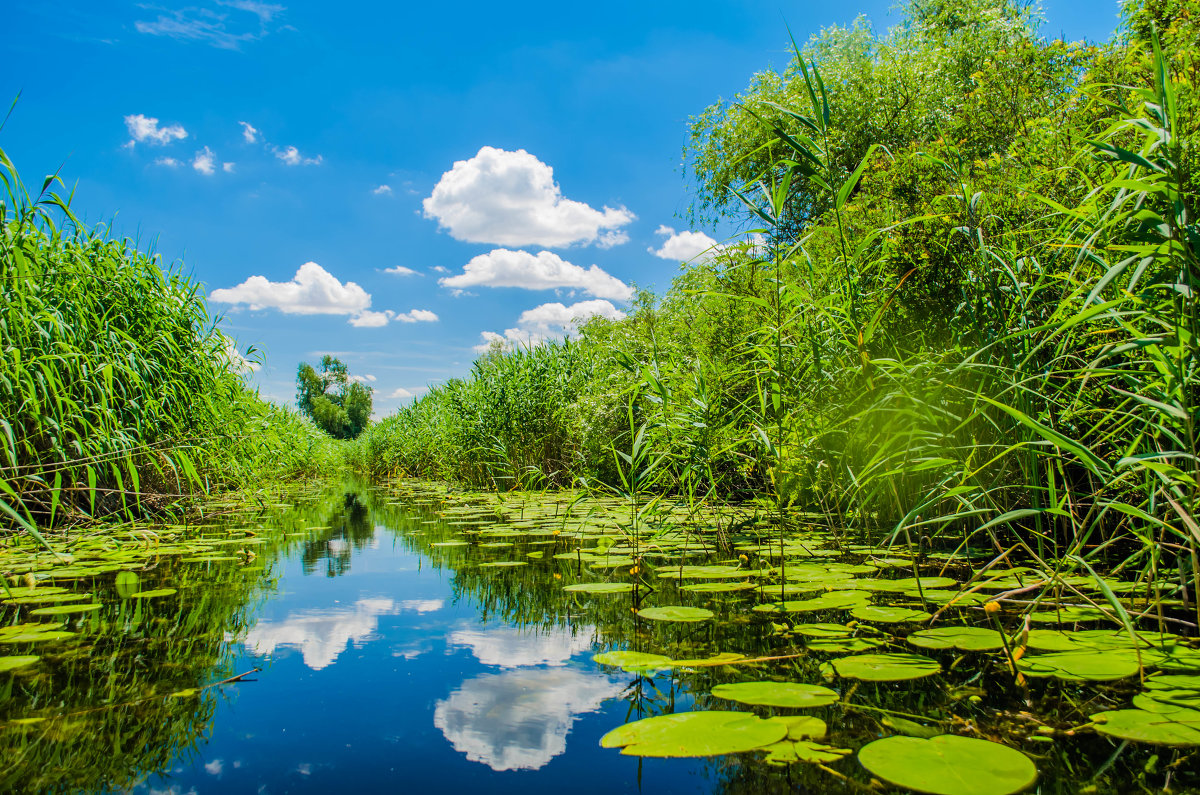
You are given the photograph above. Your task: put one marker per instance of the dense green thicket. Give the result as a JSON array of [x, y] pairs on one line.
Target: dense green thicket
[[967, 302], [337, 404], [117, 392]]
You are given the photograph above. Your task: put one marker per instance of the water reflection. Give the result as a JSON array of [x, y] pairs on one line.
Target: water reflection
[[519, 720], [512, 647], [350, 529], [321, 635]]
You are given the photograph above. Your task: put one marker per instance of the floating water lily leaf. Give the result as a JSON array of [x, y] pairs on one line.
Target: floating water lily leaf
[[633, 661], [38, 590], [694, 734], [888, 615], [18, 661], [501, 564], [1173, 727], [33, 633], [964, 638], [834, 600], [1083, 640], [952, 598], [152, 594], [718, 587], [949, 765], [705, 572], [791, 751], [777, 694], [802, 727], [886, 667], [1079, 666], [1069, 615], [910, 728], [724, 658], [127, 584], [675, 613], [907, 584], [450, 544], [1173, 656], [823, 630], [843, 645], [600, 587], [49, 598], [62, 610]]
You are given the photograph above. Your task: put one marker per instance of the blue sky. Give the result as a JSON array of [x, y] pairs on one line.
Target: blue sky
[[455, 172]]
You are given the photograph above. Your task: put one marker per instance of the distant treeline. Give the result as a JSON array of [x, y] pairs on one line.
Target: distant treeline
[[966, 299]]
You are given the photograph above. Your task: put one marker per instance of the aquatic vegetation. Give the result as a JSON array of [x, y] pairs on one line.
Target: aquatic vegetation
[[949, 765]]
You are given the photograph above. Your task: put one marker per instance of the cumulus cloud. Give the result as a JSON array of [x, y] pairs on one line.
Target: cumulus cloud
[[312, 291], [510, 647], [144, 129], [685, 246], [400, 392], [229, 168], [363, 379], [369, 319], [541, 271], [321, 635], [511, 199], [167, 162], [417, 316], [205, 162], [249, 132], [400, 270], [549, 321], [383, 190], [292, 157]]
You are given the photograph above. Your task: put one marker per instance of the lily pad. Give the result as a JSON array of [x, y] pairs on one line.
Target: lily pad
[[1069, 614], [600, 587], [843, 645], [949, 765], [675, 613], [17, 661], [694, 734], [724, 658], [127, 584], [1174, 727], [777, 694], [823, 630], [964, 638], [791, 751], [633, 661], [1079, 666], [888, 615], [62, 610], [152, 594], [802, 727], [886, 667], [718, 587]]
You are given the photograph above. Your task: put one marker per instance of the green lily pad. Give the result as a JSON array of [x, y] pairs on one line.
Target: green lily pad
[[1174, 727], [718, 587], [152, 594], [600, 587], [949, 765], [34, 634], [823, 630], [62, 610], [843, 645], [705, 573], [49, 598], [789, 752], [833, 600], [633, 661], [1083, 640], [964, 638], [908, 583], [17, 661], [694, 734], [675, 613], [1079, 666], [802, 727], [724, 658], [777, 694], [127, 584], [450, 544], [888, 615], [1069, 615], [886, 667]]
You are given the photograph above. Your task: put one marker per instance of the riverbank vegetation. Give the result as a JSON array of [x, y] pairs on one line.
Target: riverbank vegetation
[[118, 394], [964, 306]]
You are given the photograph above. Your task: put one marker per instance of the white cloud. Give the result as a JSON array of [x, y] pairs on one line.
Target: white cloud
[[214, 767], [363, 379], [417, 316], [685, 246], [321, 635], [369, 319], [292, 157], [312, 291], [168, 162], [510, 647], [400, 392], [400, 270], [519, 720], [144, 129], [422, 606], [542, 271], [549, 321], [383, 190], [228, 168], [511, 199], [440, 269], [209, 26], [205, 161], [249, 132]]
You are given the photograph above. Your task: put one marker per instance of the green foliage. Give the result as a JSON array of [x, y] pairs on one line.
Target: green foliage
[[344, 412], [117, 392]]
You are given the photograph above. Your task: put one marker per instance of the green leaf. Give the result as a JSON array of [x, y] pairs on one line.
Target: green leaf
[[694, 734], [886, 667], [633, 661], [1176, 727], [964, 638], [888, 615], [949, 765], [675, 613], [777, 694]]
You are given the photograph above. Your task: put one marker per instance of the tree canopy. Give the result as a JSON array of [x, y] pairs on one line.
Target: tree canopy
[[339, 405]]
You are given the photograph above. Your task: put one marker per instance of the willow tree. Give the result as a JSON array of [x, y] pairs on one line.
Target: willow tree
[[338, 404]]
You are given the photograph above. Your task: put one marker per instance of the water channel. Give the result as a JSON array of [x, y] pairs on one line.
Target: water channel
[[409, 640]]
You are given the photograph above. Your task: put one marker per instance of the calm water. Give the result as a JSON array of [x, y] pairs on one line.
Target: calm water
[[415, 641]]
